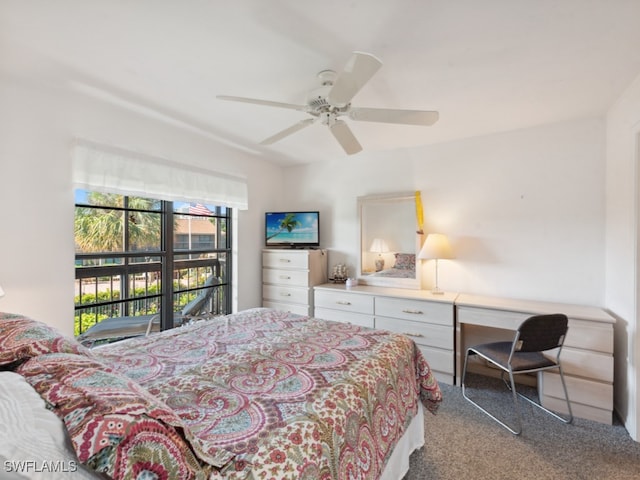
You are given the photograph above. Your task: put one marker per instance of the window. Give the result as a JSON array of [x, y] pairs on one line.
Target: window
[[141, 256]]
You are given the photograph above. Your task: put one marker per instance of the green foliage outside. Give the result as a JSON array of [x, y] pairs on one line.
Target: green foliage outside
[[103, 230], [87, 319]]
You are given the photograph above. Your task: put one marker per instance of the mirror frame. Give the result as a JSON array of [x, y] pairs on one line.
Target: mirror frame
[[397, 282]]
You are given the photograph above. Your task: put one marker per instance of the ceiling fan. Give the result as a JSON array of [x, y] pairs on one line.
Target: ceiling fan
[[332, 100]]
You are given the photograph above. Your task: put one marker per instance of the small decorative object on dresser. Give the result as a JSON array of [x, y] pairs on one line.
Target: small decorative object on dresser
[[351, 282], [340, 273]]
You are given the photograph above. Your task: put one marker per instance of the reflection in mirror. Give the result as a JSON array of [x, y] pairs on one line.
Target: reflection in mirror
[[388, 241]]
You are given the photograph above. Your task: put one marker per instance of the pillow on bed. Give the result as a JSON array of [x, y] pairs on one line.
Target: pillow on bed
[[115, 426], [33, 441], [405, 261], [22, 338]]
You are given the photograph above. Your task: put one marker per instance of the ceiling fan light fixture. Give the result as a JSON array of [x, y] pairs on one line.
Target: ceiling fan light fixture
[[327, 77]]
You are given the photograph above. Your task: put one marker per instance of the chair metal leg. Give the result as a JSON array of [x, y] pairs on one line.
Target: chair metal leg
[[515, 399], [568, 419], [566, 396], [511, 385]]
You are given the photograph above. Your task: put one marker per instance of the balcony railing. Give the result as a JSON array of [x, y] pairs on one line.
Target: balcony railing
[[115, 291]]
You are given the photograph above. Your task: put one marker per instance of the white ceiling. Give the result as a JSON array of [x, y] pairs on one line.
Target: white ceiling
[[486, 66]]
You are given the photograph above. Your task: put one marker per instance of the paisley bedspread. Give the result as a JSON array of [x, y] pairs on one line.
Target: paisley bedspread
[[269, 394]]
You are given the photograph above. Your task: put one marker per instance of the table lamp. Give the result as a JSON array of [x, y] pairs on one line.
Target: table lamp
[[1, 292], [436, 246], [379, 246]]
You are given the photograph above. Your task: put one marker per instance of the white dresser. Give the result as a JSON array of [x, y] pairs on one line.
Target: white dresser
[[587, 355], [427, 318], [288, 278]]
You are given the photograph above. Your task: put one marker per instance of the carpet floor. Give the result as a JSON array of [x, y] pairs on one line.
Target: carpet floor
[[464, 443]]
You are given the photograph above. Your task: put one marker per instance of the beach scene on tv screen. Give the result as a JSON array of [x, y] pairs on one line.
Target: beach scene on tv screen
[[292, 228]]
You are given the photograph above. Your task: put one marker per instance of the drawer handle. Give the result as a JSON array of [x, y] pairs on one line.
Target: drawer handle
[[285, 260], [415, 312], [343, 302], [284, 294], [285, 277], [409, 334]]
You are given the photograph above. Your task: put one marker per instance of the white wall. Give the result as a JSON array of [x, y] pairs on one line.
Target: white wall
[[37, 126], [524, 210], [623, 156]]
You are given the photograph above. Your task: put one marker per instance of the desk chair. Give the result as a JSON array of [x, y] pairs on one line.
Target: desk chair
[[536, 336]]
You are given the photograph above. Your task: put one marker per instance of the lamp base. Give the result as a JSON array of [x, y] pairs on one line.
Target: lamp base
[[379, 264], [437, 291]]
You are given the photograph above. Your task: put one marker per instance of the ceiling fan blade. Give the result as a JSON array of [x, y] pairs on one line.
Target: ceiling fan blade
[[358, 71], [269, 103], [386, 115], [288, 131], [345, 137]]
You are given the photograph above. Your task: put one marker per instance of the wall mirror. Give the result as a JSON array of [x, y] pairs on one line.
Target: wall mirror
[[389, 244]]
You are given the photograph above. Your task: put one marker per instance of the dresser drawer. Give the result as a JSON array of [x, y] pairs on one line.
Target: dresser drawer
[[582, 363], [297, 278], [590, 400], [417, 310], [581, 390], [582, 334], [579, 410], [495, 318], [422, 333], [590, 336], [341, 300], [298, 309], [282, 259], [439, 360], [285, 294], [345, 317]]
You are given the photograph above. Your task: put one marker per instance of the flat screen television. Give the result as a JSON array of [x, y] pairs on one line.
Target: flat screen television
[[292, 229]]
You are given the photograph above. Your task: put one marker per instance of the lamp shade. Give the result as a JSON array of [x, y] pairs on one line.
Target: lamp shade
[[379, 246], [1, 292], [436, 245]]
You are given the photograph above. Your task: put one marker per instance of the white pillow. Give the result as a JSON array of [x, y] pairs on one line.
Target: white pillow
[[33, 440]]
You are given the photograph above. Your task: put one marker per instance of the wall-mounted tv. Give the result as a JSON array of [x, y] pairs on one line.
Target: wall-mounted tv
[[292, 229]]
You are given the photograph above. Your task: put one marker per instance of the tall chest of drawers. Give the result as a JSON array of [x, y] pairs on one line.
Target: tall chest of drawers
[[428, 319], [288, 278]]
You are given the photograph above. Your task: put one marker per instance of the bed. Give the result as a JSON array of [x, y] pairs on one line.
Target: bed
[[257, 394]]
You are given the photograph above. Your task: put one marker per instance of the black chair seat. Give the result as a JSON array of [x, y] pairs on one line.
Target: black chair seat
[[499, 353]]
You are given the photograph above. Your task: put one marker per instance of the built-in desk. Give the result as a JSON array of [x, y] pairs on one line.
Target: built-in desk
[[587, 356]]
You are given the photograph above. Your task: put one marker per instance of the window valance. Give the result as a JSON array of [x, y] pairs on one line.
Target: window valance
[[114, 170]]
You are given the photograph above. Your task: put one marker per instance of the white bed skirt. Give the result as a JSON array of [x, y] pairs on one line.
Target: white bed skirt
[[398, 464]]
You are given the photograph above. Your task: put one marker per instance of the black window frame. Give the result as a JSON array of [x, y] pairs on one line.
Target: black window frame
[[164, 263]]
